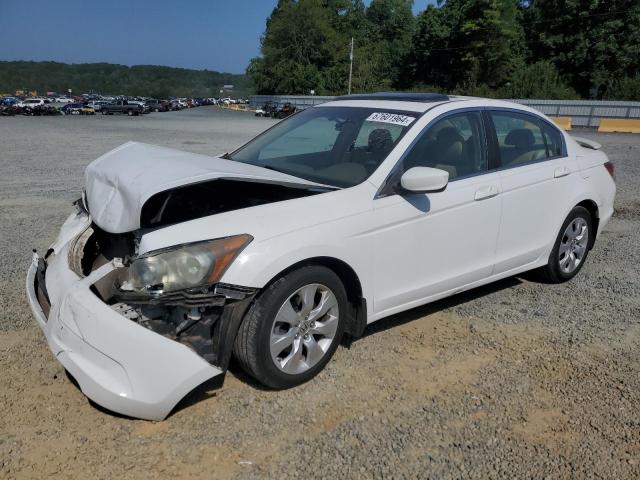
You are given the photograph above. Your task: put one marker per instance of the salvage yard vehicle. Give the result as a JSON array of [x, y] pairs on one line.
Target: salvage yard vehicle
[[157, 105], [338, 216], [97, 104], [267, 110], [122, 106], [284, 111], [32, 102], [78, 109]]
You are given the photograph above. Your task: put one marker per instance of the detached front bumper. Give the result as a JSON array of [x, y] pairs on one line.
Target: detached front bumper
[[118, 363]]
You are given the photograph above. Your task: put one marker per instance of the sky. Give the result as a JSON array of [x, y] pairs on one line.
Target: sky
[[202, 34]]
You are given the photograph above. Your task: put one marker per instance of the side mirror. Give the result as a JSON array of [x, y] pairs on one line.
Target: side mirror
[[424, 180]]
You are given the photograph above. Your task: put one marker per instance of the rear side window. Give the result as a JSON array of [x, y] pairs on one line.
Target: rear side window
[[524, 139]]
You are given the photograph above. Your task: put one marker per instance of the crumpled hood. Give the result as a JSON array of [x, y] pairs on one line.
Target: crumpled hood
[[119, 182]]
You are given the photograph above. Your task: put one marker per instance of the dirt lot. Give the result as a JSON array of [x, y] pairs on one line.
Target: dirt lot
[[514, 380]]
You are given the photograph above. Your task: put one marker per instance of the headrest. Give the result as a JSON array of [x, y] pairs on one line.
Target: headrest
[[379, 139], [438, 127], [449, 135], [522, 138]]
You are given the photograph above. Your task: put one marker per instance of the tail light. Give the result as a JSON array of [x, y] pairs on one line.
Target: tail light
[[611, 169]]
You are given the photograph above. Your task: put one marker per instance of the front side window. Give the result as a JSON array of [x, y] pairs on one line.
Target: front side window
[[455, 143], [337, 146], [524, 139]]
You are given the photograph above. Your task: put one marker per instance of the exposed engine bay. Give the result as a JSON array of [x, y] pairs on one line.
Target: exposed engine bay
[[201, 318], [204, 318], [197, 200]]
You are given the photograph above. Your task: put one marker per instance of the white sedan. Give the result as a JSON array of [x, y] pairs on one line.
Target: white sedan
[[334, 218]]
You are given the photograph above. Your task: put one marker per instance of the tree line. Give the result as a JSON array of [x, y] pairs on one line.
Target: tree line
[[106, 78], [499, 48]]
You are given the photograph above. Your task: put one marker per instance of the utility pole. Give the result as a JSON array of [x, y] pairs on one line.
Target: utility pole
[[350, 65]]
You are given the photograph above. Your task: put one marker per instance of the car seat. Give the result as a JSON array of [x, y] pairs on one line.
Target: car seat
[[523, 148]]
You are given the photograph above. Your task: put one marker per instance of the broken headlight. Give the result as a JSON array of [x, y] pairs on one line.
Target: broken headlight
[[183, 267]]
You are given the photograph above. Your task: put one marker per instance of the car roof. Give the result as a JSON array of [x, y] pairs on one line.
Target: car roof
[[399, 97], [420, 102]]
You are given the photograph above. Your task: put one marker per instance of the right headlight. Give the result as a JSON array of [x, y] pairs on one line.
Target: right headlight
[[187, 266]]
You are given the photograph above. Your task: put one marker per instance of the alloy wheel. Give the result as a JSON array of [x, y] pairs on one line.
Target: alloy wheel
[[304, 328], [573, 245]]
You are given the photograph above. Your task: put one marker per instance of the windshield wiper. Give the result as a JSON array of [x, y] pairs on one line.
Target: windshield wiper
[[226, 156]]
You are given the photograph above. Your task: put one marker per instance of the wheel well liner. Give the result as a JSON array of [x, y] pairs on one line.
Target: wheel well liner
[[592, 207], [357, 318]]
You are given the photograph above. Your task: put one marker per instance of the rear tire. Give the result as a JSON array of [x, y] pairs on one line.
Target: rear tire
[[571, 247], [293, 327]]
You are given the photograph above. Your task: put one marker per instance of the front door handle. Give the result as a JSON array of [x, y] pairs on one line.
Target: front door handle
[[487, 192], [561, 172]]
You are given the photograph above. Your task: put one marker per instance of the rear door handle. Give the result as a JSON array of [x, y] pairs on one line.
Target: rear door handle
[[561, 172], [487, 192]]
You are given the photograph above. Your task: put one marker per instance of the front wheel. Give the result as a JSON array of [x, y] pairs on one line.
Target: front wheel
[[293, 328], [571, 248]]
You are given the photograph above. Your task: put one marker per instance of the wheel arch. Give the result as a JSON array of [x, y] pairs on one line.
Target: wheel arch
[[592, 208], [357, 316]]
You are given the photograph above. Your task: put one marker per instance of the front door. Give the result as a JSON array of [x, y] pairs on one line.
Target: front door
[[434, 243]]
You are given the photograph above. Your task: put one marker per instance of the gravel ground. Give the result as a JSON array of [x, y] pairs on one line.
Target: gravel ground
[[514, 380]]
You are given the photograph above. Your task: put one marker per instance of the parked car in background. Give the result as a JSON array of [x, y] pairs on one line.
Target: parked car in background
[[31, 102], [267, 110], [97, 104], [122, 106], [157, 105], [63, 100], [9, 101], [78, 109], [175, 105], [142, 103], [284, 111]]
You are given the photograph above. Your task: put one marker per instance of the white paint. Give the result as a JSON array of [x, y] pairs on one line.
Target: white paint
[[406, 250]]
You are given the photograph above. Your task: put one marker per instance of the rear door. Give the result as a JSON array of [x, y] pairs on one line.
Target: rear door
[[536, 177]]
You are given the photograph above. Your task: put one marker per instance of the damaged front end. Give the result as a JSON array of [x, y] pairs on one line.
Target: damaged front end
[[192, 307]]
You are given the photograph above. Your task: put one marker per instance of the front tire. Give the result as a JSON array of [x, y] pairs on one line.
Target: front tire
[[293, 328], [571, 248]]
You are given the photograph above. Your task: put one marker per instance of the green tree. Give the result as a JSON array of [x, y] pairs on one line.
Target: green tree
[[466, 43], [144, 80], [537, 80], [298, 44], [591, 42], [306, 46]]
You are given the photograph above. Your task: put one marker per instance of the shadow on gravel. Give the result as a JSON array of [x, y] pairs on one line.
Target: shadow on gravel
[[209, 389], [453, 301]]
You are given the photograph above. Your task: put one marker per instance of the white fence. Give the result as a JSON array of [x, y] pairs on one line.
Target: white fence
[[583, 113]]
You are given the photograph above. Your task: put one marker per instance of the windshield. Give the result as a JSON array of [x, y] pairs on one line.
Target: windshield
[[338, 146]]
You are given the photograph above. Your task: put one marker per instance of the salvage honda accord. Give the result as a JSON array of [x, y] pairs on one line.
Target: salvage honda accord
[[338, 216]]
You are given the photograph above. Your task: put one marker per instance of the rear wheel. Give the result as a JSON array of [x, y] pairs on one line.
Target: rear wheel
[[571, 248], [293, 328]]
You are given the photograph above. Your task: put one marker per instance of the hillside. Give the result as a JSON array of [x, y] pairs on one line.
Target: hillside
[[107, 78]]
